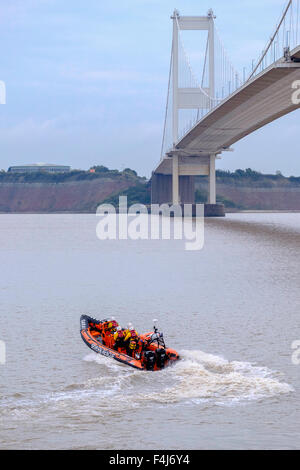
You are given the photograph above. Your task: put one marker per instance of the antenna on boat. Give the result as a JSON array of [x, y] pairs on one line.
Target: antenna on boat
[[159, 337], [155, 326]]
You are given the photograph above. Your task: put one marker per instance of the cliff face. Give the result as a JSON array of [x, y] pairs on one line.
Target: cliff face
[[73, 196], [83, 191], [262, 198], [250, 190]]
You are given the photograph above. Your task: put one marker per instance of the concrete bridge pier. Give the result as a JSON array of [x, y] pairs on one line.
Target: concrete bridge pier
[[162, 189], [212, 209], [175, 180], [174, 183], [212, 195]]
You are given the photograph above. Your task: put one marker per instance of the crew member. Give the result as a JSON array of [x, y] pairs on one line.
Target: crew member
[[131, 340], [119, 338], [131, 332], [132, 347], [109, 328]]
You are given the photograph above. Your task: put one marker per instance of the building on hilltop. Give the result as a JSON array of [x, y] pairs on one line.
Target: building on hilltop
[[35, 167]]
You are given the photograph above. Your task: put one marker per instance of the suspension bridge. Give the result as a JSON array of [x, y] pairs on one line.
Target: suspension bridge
[[205, 115]]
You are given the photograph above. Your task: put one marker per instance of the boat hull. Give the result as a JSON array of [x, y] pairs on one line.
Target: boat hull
[[91, 334]]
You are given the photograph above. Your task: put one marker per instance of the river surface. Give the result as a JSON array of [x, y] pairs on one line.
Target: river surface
[[231, 309]]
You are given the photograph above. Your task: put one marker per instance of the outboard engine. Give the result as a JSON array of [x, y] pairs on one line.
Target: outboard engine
[[161, 357], [149, 358]]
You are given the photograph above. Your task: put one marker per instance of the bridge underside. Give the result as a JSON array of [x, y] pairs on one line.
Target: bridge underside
[[262, 101]]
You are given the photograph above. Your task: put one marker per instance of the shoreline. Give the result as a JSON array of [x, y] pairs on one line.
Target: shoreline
[[229, 211], [260, 211]]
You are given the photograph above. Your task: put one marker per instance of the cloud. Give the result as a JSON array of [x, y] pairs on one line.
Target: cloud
[[88, 80], [15, 12], [111, 75]]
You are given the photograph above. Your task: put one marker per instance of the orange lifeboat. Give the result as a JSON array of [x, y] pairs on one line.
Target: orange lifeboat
[[150, 352]]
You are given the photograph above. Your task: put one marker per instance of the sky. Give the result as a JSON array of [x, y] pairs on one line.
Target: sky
[[86, 81]]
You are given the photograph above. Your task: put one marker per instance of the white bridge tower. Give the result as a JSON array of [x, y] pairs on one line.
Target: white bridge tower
[[192, 98]]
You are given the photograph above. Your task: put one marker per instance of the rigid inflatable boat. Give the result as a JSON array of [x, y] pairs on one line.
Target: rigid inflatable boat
[[150, 354]]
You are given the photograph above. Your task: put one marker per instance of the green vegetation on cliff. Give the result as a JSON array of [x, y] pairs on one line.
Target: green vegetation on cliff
[[255, 178], [94, 173], [139, 194]]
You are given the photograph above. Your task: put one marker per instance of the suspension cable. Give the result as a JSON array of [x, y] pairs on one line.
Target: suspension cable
[[271, 40], [167, 104]]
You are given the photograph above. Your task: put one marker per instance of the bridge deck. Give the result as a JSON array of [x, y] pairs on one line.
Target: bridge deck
[[296, 53]]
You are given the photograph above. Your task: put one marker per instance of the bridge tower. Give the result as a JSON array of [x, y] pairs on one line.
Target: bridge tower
[[191, 98], [174, 181]]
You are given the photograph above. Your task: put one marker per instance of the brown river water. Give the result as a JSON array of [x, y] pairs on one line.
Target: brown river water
[[231, 310]]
